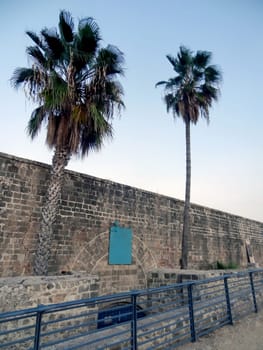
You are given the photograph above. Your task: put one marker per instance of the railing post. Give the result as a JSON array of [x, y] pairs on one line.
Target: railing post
[[191, 312], [228, 304], [37, 329], [253, 291], [134, 321]]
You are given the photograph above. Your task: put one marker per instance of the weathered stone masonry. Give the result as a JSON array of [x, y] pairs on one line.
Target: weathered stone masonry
[[89, 206]]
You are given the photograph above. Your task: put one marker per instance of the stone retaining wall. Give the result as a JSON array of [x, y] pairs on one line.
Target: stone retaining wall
[[87, 209], [27, 292]]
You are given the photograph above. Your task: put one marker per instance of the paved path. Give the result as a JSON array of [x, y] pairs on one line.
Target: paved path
[[245, 334]]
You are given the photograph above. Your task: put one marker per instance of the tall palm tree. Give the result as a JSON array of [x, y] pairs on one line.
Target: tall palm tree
[[189, 95], [74, 83]]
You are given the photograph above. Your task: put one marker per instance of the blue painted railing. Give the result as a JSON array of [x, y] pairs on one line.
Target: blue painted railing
[[157, 318]]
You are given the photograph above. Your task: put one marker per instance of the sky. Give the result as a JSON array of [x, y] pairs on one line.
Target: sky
[[148, 148]]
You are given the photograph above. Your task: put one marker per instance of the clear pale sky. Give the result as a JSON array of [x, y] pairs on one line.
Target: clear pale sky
[[148, 149]]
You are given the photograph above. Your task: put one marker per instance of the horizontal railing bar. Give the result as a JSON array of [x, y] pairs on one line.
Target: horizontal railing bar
[[96, 341], [158, 320], [162, 306], [16, 330], [17, 341], [213, 328], [166, 325], [158, 306], [149, 332], [65, 329], [74, 317], [238, 286], [207, 299], [219, 316], [217, 310], [78, 346], [208, 303], [164, 342], [179, 343], [239, 294], [114, 343], [92, 333], [211, 285], [178, 296]]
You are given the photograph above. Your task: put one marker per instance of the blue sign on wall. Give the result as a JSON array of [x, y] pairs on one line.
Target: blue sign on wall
[[120, 248]]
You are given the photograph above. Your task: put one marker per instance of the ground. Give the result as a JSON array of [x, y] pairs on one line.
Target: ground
[[245, 334]]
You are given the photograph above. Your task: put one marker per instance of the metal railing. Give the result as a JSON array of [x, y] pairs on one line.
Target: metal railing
[[157, 318]]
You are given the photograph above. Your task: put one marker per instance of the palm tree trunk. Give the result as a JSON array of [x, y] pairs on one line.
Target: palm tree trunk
[[49, 211], [186, 224]]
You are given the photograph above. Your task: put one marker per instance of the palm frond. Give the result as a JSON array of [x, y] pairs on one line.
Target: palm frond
[[86, 43], [55, 94], [52, 129], [93, 135], [33, 80], [202, 59], [88, 37], [185, 55], [37, 55], [173, 83], [183, 61], [110, 60], [66, 26], [210, 92], [170, 101], [36, 120], [21, 76], [172, 60], [162, 82], [53, 44], [212, 74], [113, 94], [37, 40]]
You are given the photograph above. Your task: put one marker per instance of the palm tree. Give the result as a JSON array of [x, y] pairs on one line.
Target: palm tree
[[74, 83], [189, 95]]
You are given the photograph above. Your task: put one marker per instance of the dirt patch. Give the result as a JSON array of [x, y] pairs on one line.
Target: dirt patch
[[245, 334]]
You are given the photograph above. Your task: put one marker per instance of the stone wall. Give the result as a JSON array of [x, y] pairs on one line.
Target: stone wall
[[87, 209], [18, 293]]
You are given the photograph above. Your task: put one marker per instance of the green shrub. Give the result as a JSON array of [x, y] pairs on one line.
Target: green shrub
[[222, 266]]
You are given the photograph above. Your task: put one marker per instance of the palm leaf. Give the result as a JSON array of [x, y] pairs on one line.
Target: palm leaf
[[163, 82], [35, 121], [55, 94], [66, 26], [110, 60], [212, 74], [94, 133], [21, 75], [37, 40], [202, 59], [54, 46], [88, 36], [185, 56], [37, 55]]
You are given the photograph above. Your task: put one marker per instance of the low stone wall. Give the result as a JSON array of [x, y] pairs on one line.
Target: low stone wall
[[26, 292], [165, 277]]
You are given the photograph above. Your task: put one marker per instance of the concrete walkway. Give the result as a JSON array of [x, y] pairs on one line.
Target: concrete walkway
[[245, 334]]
